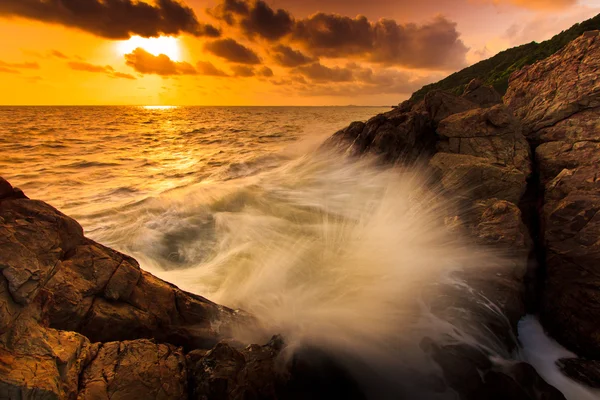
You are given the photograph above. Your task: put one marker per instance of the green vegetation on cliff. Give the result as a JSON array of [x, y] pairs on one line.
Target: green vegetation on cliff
[[495, 71]]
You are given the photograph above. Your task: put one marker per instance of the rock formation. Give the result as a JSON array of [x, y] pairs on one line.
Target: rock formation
[[558, 100]]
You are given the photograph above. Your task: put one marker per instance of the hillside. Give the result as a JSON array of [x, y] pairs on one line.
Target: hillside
[[495, 71]]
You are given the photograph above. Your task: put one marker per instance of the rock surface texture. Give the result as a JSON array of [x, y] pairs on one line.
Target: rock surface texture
[[558, 100]]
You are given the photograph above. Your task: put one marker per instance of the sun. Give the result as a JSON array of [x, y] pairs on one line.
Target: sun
[[166, 45]]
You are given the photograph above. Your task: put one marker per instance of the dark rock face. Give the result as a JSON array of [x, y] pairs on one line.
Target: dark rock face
[[558, 100], [584, 371], [479, 93]]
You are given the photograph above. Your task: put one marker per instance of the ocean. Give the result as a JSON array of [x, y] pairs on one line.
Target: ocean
[[242, 205]]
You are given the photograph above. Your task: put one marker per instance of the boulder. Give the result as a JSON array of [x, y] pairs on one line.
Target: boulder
[[139, 369], [479, 93]]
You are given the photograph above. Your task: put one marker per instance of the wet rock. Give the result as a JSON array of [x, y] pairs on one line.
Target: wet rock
[[41, 363], [476, 178], [492, 133], [140, 369], [268, 372], [393, 137], [479, 93], [586, 372], [558, 100], [571, 297]]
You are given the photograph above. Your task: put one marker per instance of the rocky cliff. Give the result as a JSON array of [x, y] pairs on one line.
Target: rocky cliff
[[533, 160]]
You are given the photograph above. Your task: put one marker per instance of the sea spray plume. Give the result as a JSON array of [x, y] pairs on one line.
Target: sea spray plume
[[335, 254]]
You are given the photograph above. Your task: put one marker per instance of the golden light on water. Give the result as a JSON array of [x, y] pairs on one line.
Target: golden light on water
[[166, 45], [158, 107]]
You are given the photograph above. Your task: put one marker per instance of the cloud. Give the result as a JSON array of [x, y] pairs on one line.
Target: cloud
[[242, 71], [433, 45], [232, 51], [320, 73], [58, 54], [255, 18], [104, 69], [123, 75], [537, 4], [265, 72], [288, 57], [112, 19], [24, 65], [83, 66], [208, 69], [147, 63], [8, 70]]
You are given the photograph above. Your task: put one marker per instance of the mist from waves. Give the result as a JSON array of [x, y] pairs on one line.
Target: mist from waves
[[330, 252]]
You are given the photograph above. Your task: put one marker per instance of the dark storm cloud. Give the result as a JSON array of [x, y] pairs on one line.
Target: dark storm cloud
[[113, 19], [433, 45], [146, 63], [255, 18], [320, 73], [208, 69], [232, 51], [104, 69], [242, 71], [288, 57], [265, 72]]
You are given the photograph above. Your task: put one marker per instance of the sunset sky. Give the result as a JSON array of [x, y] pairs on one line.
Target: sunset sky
[[242, 52]]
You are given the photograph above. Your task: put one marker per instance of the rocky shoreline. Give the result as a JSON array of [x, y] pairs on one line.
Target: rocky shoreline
[[82, 321]]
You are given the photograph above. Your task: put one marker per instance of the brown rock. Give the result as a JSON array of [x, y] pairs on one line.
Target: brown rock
[[491, 133], [476, 178], [440, 105], [479, 93], [553, 157], [41, 363], [572, 289], [139, 369]]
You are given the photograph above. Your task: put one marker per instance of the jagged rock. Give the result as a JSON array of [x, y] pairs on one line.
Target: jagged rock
[[267, 372], [41, 363], [470, 372], [492, 133], [558, 100], [584, 371], [553, 157], [479, 93], [87, 286], [476, 178], [139, 369], [404, 134], [571, 297], [440, 105], [394, 136]]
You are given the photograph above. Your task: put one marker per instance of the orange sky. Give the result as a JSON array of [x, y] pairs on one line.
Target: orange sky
[[246, 52]]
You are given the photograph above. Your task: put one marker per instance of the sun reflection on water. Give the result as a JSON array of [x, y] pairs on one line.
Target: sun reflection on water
[[159, 107]]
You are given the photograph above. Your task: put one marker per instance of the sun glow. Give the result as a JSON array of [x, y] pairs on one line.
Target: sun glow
[[161, 45]]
